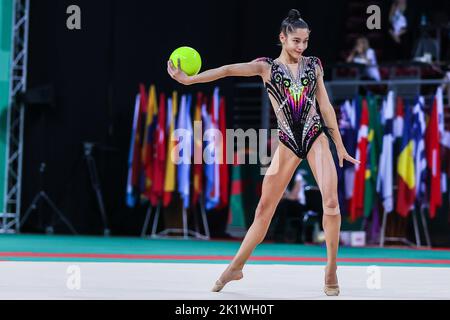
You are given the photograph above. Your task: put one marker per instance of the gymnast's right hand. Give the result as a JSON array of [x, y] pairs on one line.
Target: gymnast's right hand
[[177, 74]]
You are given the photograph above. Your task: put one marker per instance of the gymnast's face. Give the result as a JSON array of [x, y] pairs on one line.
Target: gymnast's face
[[296, 42]]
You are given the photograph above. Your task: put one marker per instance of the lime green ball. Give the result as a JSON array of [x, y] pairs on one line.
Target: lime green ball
[[190, 60]]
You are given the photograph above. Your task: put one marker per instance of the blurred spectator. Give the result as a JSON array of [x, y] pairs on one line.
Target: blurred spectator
[[398, 31], [446, 86], [427, 48], [398, 21], [363, 54]]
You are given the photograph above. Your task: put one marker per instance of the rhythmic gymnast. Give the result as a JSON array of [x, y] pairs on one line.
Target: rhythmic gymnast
[[294, 83]]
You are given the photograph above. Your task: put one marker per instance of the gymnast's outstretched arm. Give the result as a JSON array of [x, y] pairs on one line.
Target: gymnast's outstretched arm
[[249, 69]]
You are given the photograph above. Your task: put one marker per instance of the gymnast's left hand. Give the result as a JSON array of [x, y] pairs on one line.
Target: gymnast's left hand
[[343, 155], [176, 73]]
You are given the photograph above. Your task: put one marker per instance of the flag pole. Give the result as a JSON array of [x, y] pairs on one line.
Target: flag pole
[[383, 229], [156, 219], [185, 227], [425, 227], [194, 210], [147, 219], [204, 218], [416, 228]]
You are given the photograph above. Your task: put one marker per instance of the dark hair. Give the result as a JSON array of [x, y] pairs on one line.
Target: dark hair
[[292, 22]]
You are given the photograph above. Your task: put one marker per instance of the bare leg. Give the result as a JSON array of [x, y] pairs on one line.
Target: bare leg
[[322, 165], [276, 180]]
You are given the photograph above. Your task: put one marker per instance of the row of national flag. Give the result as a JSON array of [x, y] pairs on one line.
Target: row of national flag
[[166, 155], [400, 146]]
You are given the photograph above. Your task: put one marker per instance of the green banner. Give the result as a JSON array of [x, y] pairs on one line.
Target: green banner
[[6, 11]]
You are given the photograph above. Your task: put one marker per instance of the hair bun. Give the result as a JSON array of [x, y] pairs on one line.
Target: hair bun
[[294, 14]]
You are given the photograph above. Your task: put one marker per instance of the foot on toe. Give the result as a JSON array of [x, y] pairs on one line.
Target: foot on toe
[[227, 276], [331, 287]]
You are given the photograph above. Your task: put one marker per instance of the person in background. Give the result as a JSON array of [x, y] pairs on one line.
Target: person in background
[[292, 205], [362, 53], [446, 85], [398, 30]]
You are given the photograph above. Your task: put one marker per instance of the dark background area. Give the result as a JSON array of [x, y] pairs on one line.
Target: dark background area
[[96, 71]]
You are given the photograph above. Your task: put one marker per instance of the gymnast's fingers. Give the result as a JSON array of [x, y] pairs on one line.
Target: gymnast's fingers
[[352, 160]]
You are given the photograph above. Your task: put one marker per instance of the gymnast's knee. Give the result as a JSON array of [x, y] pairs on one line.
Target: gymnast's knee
[[263, 212], [331, 207]]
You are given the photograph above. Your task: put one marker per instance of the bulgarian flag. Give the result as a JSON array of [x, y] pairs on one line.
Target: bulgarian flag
[[236, 214], [433, 150], [357, 203], [406, 195]]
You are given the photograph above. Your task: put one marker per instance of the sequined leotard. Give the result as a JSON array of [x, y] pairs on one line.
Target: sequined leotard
[[294, 102]]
